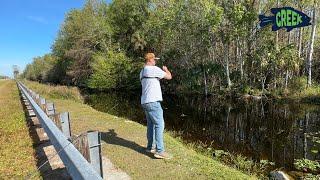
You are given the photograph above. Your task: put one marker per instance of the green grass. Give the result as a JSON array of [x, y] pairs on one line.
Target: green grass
[[298, 90], [17, 158], [123, 142], [238, 161]]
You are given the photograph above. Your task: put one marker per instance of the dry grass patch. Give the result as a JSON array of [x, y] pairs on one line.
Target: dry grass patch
[[55, 92]]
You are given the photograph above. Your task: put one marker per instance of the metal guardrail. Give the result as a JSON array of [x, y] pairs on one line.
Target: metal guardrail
[[77, 166]]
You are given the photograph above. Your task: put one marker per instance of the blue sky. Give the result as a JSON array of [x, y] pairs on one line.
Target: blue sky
[[28, 29]]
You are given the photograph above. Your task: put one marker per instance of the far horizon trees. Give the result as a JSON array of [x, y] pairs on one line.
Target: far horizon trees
[[208, 44]]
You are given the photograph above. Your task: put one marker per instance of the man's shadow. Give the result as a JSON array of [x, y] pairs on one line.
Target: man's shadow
[[112, 138]]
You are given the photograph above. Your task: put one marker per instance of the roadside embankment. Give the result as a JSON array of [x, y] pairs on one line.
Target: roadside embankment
[[124, 142]]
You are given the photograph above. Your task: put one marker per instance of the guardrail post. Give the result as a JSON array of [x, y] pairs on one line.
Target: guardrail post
[[65, 124], [42, 103], [56, 119], [50, 111], [89, 146], [94, 141], [81, 143], [32, 94], [62, 120], [37, 99]]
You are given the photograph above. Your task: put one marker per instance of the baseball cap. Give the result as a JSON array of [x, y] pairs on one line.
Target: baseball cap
[[149, 56]]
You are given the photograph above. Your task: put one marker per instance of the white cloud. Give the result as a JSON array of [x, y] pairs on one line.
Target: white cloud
[[38, 19]]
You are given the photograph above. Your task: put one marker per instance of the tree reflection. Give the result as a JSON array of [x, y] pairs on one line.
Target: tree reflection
[[279, 132]]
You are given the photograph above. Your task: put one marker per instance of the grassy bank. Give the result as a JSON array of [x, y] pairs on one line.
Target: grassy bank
[[56, 92], [297, 90], [124, 142], [16, 150]]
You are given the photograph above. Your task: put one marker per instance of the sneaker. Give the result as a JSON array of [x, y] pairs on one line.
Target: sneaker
[[162, 155], [151, 150]]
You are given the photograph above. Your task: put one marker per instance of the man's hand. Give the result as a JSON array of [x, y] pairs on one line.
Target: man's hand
[[168, 75], [165, 68]]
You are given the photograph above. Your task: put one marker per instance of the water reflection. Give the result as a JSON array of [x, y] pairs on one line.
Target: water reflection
[[262, 130]]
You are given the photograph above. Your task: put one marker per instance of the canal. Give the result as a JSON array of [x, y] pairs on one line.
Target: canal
[[260, 130]]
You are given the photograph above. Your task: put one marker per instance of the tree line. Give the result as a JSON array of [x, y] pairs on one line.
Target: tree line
[[208, 44], [4, 77]]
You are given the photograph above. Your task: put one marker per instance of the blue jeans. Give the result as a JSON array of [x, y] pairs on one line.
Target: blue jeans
[[155, 125]]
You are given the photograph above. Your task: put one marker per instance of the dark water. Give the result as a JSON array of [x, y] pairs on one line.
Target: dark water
[[277, 132]]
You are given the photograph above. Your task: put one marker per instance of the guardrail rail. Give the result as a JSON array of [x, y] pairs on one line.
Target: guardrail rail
[[57, 128]]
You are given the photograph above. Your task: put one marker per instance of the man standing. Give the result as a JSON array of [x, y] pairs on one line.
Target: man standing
[[150, 101]]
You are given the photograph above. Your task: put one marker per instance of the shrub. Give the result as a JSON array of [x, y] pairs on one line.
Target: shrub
[[111, 70], [298, 84], [306, 164]]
